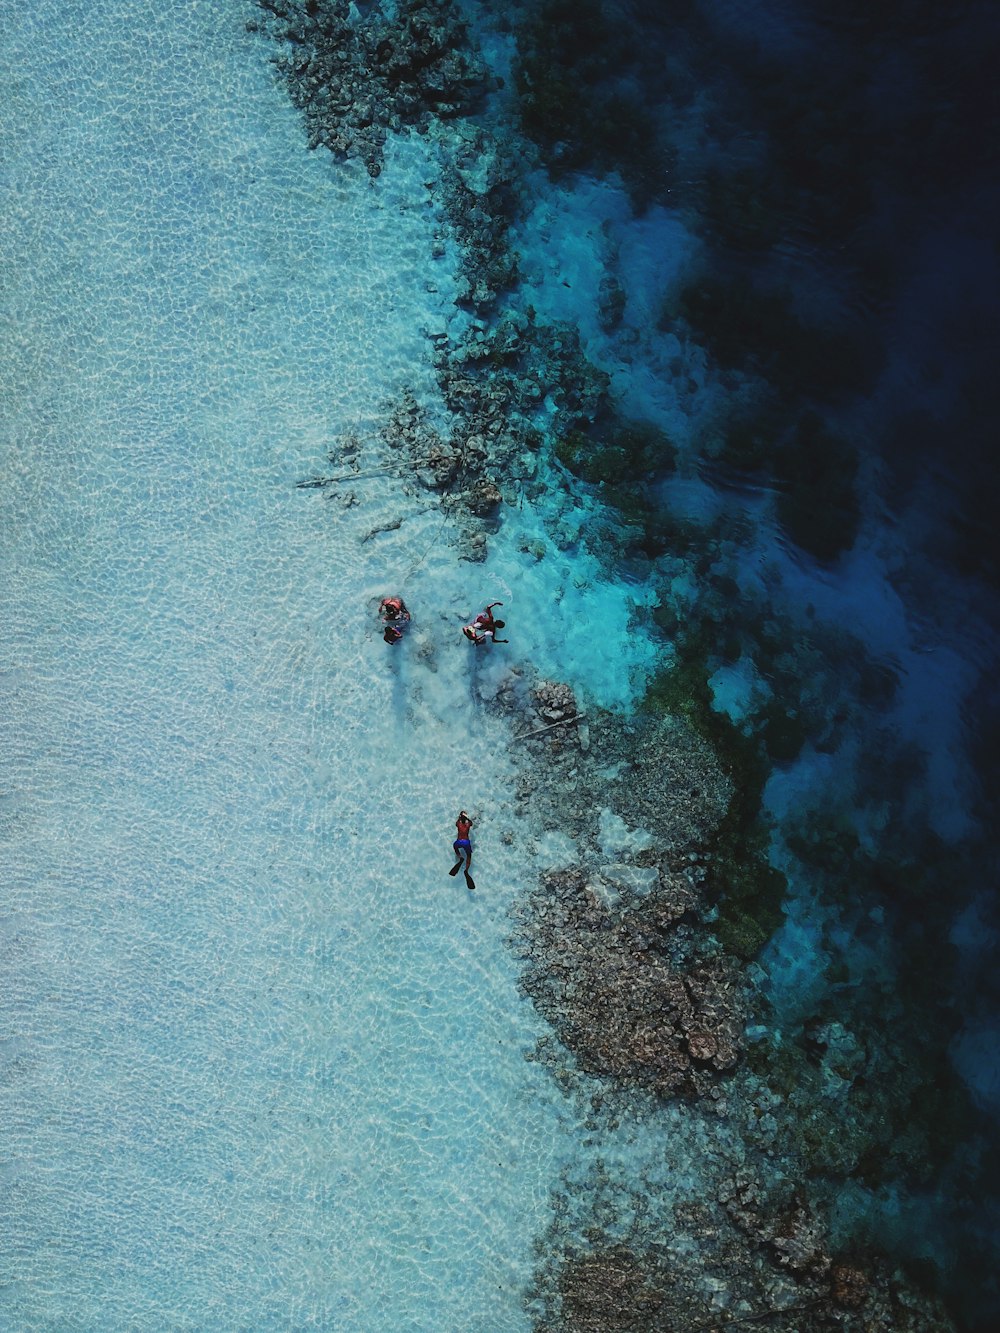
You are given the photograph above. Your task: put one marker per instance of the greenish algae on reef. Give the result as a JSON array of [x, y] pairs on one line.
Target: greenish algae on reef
[[622, 451], [749, 888]]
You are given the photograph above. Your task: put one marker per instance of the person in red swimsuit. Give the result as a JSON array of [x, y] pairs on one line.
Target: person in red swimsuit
[[393, 609], [484, 627], [395, 617], [485, 618], [463, 848]]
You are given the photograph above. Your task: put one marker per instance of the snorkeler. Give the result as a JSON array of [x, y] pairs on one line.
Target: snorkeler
[[484, 627], [463, 848], [395, 617], [393, 609], [485, 618]]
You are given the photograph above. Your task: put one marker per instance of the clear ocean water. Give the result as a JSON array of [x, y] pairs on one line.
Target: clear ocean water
[[262, 1063]]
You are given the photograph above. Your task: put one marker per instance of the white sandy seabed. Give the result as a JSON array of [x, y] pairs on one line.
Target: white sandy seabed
[[263, 1061]]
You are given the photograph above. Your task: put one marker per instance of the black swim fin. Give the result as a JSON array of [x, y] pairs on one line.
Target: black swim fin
[[469, 880], [455, 868]]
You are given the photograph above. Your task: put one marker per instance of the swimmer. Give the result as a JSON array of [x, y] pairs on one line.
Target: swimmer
[[484, 628], [485, 619], [463, 847], [392, 609]]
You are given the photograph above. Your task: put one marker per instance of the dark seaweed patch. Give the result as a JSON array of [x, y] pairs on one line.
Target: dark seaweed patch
[[579, 98]]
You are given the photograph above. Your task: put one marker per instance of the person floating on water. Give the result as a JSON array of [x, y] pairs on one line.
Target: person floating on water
[[463, 848], [484, 627], [395, 617], [393, 609]]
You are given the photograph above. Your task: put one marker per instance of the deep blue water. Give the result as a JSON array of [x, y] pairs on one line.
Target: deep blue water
[[834, 171]]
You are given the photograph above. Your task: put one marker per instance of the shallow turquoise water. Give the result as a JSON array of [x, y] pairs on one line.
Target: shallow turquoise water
[[263, 1062]]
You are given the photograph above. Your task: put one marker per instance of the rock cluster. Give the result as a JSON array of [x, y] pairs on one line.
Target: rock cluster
[[553, 702], [665, 778], [849, 1286], [493, 382], [794, 1234], [630, 998], [518, 382], [482, 197], [359, 76], [615, 954], [748, 1256], [615, 1287], [612, 1290], [654, 771], [461, 465]]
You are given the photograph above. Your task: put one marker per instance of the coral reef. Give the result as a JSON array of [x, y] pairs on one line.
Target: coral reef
[[620, 452], [612, 956], [742, 1258], [747, 888], [613, 1290], [481, 196], [638, 956], [624, 990], [359, 76]]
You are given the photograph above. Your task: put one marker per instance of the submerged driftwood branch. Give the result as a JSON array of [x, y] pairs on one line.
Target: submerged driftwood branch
[[563, 721], [314, 483]]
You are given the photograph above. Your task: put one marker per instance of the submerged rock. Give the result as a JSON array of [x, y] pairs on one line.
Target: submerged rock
[[849, 1286], [700, 1275], [612, 1290], [629, 1006], [353, 73], [667, 779], [799, 1240], [484, 497]]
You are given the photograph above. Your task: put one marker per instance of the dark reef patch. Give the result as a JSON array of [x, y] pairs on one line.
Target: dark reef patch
[[579, 97], [811, 467], [482, 196], [622, 451], [746, 325], [744, 1258], [748, 889], [614, 1290], [627, 992], [614, 955], [359, 76]]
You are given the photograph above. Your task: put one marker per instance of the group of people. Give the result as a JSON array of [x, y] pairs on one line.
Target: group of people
[[395, 617]]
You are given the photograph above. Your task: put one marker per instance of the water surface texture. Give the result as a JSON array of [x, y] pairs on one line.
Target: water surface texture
[[263, 1061], [728, 269]]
